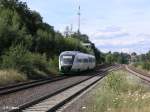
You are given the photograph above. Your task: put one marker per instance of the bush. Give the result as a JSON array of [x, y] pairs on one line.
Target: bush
[[54, 64], [39, 61], [9, 76], [146, 65], [34, 65], [17, 57]]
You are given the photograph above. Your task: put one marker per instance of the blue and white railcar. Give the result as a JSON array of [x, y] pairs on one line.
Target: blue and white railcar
[[74, 61]]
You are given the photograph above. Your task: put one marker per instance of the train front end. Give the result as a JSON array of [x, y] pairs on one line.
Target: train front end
[[66, 62]]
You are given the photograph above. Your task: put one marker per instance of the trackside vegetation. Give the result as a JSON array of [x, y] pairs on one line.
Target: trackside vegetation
[[142, 61], [119, 92], [11, 76]]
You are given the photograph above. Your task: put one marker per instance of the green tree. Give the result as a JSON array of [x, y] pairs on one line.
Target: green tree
[[109, 58]]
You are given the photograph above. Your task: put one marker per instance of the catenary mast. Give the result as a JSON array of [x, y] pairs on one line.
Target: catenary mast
[[79, 17]]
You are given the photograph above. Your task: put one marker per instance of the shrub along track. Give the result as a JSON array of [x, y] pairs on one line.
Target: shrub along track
[[33, 94], [141, 74]]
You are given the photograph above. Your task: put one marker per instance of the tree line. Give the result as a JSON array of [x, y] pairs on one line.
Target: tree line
[[117, 58], [142, 61]]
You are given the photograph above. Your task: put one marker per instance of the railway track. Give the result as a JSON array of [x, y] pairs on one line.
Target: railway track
[[26, 97], [138, 73], [53, 102], [21, 86], [26, 85]]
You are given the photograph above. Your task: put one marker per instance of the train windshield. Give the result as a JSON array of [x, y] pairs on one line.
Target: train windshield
[[67, 59]]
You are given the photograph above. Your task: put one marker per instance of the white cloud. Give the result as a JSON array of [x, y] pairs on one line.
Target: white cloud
[[125, 50], [116, 36], [110, 32], [117, 39], [126, 41]]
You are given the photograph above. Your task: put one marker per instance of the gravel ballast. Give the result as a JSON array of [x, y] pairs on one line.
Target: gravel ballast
[[21, 97]]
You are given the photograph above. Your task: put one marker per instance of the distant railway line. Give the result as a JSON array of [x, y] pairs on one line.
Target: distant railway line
[[27, 97], [142, 75]]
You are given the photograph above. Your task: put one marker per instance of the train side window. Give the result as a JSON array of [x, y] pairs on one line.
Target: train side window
[[79, 60], [90, 60], [85, 60], [93, 59]]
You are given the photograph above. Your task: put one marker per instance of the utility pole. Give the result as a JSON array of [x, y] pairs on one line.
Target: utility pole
[[71, 29], [79, 14]]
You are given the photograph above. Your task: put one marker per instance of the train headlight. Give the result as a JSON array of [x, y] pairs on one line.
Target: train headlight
[[61, 62]]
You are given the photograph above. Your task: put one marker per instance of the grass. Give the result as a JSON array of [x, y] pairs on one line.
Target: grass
[[11, 76], [144, 66], [119, 92], [140, 67]]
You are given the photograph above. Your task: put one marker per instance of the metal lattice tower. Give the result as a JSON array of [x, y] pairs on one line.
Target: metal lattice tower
[[79, 14]]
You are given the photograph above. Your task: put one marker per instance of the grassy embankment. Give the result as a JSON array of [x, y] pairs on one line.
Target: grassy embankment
[[143, 66], [119, 92], [11, 76]]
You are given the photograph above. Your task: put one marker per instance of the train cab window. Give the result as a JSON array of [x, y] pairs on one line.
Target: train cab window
[[67, 59], [85, 60]]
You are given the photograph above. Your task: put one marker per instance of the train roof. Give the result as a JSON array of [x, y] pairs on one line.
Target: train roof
[[75, 53]]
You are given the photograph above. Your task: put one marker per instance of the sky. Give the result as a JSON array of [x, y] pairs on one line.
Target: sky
[[113, 25]]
